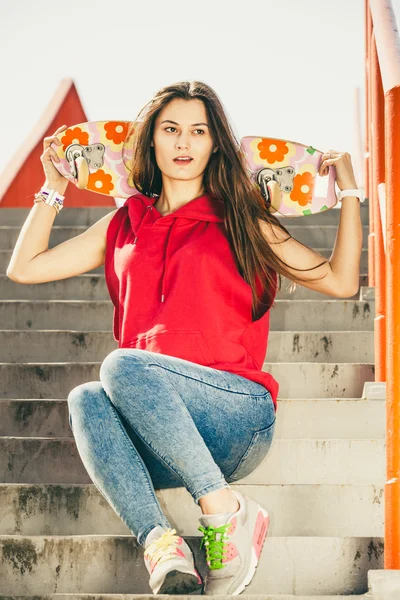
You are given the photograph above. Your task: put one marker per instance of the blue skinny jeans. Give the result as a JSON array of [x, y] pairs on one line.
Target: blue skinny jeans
[[155, 421]]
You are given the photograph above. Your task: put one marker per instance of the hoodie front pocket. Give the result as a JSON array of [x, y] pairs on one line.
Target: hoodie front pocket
[[187, 344]]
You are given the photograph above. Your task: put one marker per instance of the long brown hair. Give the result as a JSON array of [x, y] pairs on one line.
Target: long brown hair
[[225, 177]]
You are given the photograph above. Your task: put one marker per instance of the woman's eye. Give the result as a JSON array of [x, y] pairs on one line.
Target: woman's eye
[[166, 129]]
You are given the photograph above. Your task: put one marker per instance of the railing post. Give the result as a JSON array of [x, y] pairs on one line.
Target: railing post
[[377, 173], [392, 487]]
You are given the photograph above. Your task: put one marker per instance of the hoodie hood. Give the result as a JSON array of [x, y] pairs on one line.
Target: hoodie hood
[[203, 208]]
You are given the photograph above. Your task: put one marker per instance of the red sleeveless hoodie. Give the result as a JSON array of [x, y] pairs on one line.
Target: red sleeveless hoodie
[[176, 289]]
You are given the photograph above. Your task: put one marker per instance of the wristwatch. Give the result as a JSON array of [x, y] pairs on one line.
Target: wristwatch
[[359, 192]]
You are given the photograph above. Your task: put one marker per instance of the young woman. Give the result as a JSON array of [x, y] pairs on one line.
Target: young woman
[[191, 264]]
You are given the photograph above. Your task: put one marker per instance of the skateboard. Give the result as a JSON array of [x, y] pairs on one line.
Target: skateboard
[[294, 167], [97, 156]]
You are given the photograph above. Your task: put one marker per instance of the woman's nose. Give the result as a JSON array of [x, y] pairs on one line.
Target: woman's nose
[[182, 141]]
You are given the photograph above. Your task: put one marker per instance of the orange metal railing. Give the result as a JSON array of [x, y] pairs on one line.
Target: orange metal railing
[[382, 173]]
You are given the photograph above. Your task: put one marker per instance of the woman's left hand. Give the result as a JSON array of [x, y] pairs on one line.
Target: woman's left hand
[[344, 169]]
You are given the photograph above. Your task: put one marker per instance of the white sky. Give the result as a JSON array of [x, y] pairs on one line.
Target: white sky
[[282, 68]]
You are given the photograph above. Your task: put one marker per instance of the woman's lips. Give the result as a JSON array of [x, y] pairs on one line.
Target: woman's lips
[[182, 162]]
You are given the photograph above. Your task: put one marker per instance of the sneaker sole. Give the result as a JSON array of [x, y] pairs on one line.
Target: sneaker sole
[[254, 559], [177, 582]]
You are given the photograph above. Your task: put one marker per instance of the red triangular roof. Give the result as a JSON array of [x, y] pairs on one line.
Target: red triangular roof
[[23, 176]]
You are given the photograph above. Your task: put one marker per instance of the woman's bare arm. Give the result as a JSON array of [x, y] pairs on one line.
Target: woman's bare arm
[[33, 262], [300, 257]]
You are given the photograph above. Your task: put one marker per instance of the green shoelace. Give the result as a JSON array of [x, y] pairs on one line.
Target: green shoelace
[[214, 541]]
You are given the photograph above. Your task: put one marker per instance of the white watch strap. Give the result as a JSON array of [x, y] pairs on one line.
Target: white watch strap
[[359, 192]]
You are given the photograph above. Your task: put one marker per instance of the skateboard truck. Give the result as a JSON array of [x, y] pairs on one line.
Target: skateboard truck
[[80, 158], [283, 176]]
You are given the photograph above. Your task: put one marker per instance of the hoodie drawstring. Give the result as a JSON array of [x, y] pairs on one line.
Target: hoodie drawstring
[[164, 275]]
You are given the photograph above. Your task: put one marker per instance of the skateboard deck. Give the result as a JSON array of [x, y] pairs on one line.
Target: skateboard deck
[[294, 167], [97, 156]]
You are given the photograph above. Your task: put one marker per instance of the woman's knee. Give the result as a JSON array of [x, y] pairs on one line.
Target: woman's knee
[[82, 395], [120, 365]]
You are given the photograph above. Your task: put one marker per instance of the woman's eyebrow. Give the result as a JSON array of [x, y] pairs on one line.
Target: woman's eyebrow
[[175, 123]]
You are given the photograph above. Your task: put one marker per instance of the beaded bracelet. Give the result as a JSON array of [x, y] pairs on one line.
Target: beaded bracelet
[[50, 197]]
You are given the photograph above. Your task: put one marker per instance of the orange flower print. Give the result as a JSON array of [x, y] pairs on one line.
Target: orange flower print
[[272, 150], [302, 188], [116, 131], [100, 182], [74, 136]]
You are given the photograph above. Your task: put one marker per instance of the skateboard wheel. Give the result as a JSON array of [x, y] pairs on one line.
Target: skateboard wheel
[[83, 172]]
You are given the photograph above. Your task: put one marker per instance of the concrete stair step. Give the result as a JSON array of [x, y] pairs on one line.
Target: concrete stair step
[[285, 315], [104, 564], [320, 418], [320, 315], [283, 346], [319, 236], [87, 215], [323, 418], [183, 597], [318, 346], [94, 287], [314, 236], [289, 461], [367, 293], [80, 509], [297, 380], [81, 216], [79, 287], [321, 380]]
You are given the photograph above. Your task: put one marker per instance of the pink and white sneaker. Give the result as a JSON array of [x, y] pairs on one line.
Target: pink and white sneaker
[[170, 562], [233, 543]]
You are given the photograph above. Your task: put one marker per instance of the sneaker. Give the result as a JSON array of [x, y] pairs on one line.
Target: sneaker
[[233, 543], [170, 563]]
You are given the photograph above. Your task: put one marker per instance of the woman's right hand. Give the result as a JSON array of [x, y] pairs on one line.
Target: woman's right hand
[[53, 176]]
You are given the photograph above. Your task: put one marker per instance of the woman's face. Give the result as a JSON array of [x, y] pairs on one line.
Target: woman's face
[[182, 128]]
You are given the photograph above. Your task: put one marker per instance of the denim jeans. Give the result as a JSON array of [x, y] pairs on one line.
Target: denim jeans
[[155, 421]]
